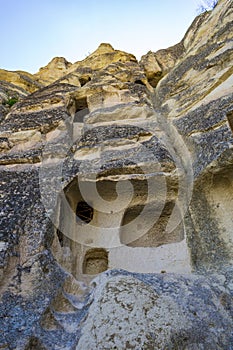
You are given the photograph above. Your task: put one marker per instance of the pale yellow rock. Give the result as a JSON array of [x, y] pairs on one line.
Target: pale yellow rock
[[73, 79], [23, 136], [208, 76], [54, 70], [209, 24], [152, 67], [157, 64], [21, 79], [103, 56], [117, 83], [77, 74]]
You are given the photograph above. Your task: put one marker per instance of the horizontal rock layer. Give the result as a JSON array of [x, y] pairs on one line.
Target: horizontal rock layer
[[125, 166]]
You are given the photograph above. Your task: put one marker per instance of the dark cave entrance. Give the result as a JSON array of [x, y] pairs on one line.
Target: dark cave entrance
[[95, 261], [81, 110], [84, 212]]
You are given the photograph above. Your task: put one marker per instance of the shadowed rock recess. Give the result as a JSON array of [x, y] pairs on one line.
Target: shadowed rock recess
[[117, 198]]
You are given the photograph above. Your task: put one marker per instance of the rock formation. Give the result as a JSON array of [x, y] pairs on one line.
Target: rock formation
[[117, 196], [53, 71]]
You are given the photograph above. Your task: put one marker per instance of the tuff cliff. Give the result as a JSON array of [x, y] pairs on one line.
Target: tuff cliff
[[117, 197]]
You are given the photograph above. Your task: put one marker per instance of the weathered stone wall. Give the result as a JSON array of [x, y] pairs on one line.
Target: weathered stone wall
[[114, 166]]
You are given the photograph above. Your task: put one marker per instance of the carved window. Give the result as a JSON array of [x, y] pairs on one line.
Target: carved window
[[84, 212], [95, 261]]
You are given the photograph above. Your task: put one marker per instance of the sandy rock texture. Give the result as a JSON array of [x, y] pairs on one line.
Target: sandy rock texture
[[117, 197]]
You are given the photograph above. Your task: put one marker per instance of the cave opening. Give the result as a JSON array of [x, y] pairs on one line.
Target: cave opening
[[84, 212], [84, 80], [81, 110], [95, 261], [139, 82], [156, 234]]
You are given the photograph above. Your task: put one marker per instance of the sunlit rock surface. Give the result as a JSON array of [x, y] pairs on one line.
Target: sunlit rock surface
[[53, 71], [117, 197]]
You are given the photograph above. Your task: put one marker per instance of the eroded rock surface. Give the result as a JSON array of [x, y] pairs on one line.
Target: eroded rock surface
[[117, 195], [53, 71], [156, 312]]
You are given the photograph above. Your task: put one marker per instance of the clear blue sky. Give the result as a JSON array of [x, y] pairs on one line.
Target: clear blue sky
[[35, 31]]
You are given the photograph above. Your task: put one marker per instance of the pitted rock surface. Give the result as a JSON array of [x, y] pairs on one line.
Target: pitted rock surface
[[146, 263]]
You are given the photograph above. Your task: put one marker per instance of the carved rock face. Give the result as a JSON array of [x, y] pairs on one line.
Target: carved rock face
[[115, 192]]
